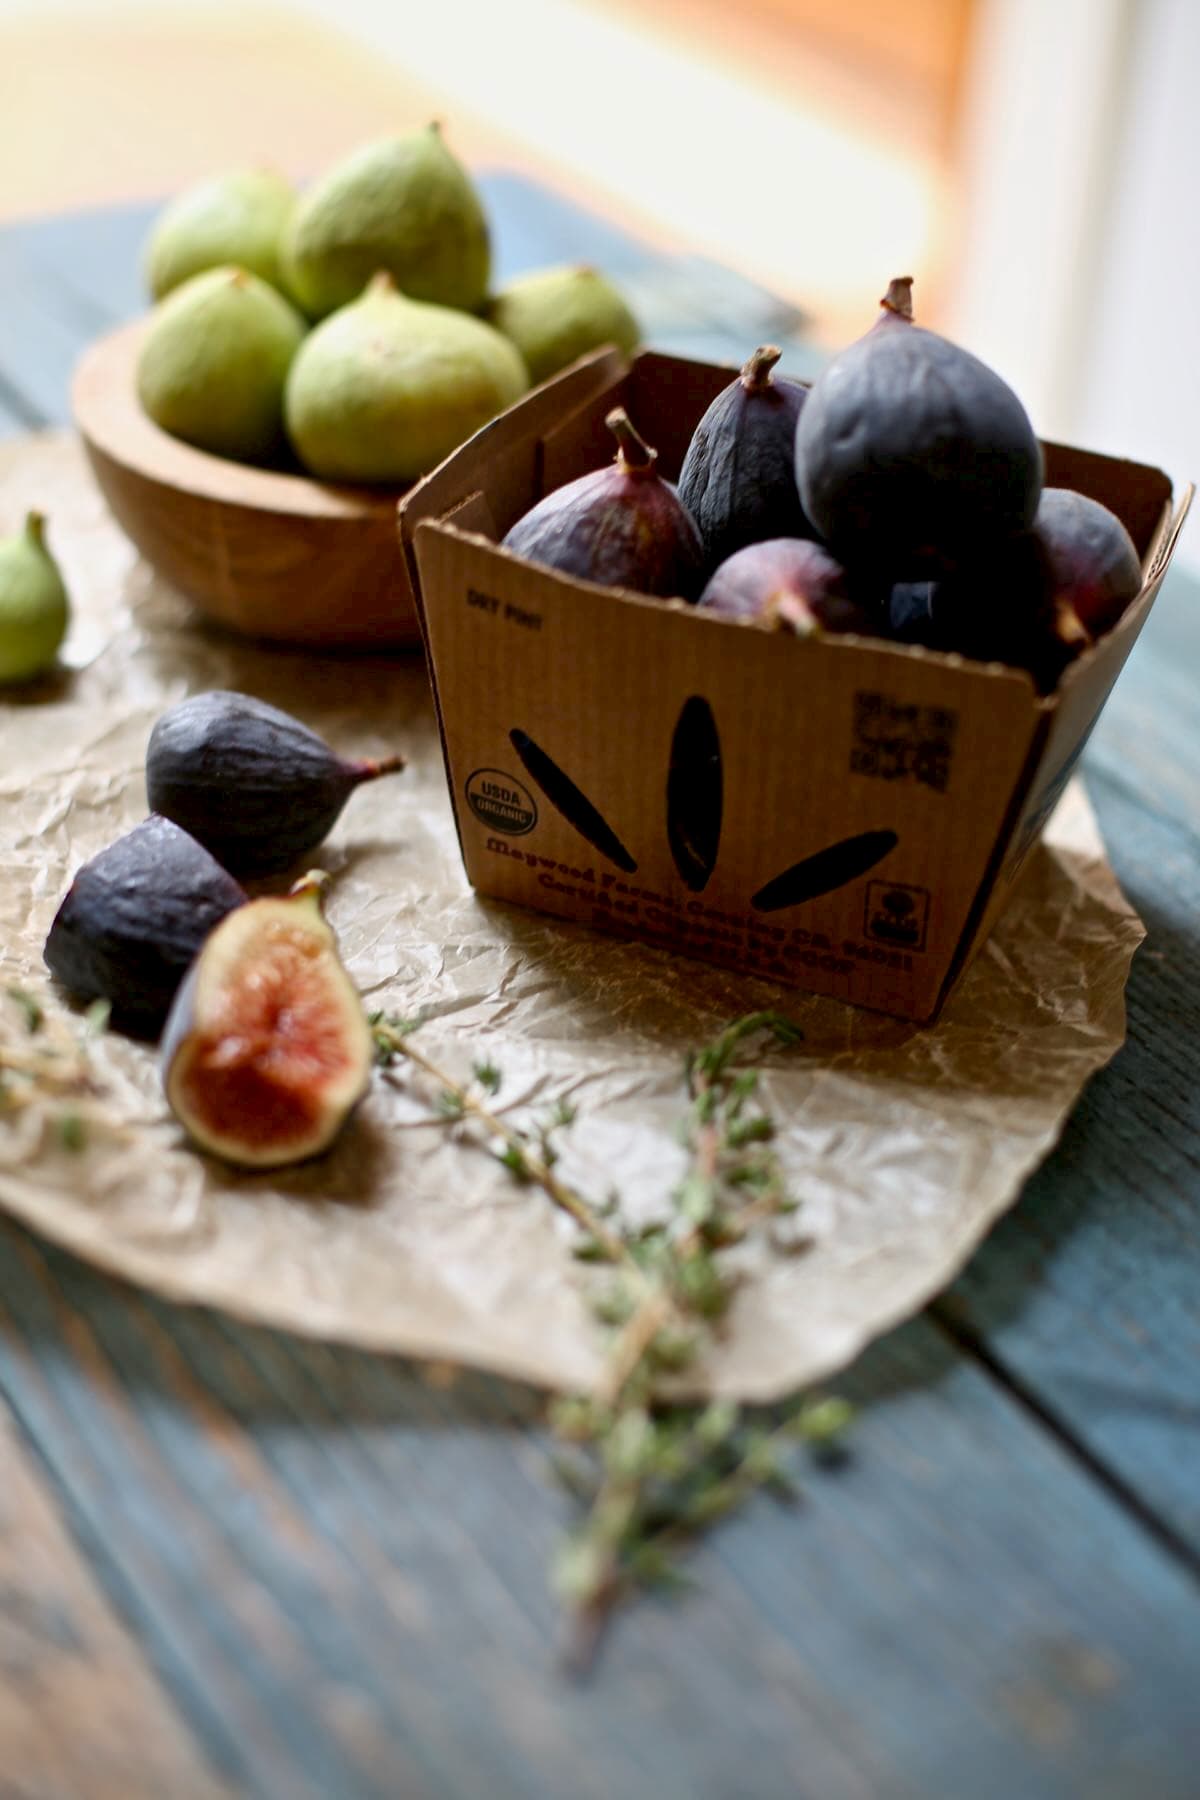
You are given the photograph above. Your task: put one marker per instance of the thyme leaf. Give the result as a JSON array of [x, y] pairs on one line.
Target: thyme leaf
[[647, 1473]]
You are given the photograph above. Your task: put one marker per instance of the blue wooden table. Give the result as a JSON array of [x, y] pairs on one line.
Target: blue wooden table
[[235, 1563]]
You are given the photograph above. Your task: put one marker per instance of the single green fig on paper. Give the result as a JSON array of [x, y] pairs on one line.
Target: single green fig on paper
[[267, 1050], [386, 387], [214, 362], [404, 204], [236, 218], [34, 606], [555, 315]]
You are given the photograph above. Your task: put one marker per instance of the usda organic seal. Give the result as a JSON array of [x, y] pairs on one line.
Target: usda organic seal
[[500, 802]]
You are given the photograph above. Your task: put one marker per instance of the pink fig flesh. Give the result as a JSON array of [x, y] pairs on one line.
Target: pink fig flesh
[[267, 1050]]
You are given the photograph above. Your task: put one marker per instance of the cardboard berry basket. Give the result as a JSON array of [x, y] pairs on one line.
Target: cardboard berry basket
[[842, 814]]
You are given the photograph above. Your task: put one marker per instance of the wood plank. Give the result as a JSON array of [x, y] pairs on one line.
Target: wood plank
[[339, 1569], [281, 1522], [80, 1712], [1086, 1295]]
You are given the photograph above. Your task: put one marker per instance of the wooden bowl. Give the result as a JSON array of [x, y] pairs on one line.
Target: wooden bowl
[[269, 554]]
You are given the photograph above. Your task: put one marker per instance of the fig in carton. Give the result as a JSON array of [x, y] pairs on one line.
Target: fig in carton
[[913, 455], [738, 478], [622, 526], [791, 584]]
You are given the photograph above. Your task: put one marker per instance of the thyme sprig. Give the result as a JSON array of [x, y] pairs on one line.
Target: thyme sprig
[[650, 1474], [528, 1157], [45, 1067]]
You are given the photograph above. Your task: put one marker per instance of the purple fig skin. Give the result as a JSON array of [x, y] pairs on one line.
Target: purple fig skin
[[790, 584], [1045, 597], [133, 919], [912, 456], [738, 478], [1003, 611], [910, 614], [251, 783], [1093, 563], [622, 526]]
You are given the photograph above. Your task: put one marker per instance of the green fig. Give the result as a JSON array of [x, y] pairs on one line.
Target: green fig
[[555, 315], [34, 608], [214, 362], [236, 218], [404, 204], [383, 389]]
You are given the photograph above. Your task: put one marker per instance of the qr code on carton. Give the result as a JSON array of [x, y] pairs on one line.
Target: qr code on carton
[[896, 741]]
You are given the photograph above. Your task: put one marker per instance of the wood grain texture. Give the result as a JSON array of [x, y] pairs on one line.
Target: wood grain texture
[[336, 1569], [81, 1715], [339, 1568], [1089, 1293]]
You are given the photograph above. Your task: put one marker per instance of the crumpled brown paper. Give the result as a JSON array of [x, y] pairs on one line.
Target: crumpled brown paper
[[904, 1144]]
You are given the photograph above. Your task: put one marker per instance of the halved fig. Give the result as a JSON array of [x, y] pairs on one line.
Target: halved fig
[[267, 1049]]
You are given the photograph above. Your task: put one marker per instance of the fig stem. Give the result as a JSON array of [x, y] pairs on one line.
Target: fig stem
[[756, 374], [370, 768], [897, 302], [785, 611], [1069, 628], [35, 528], [309, 886], [633, 453]]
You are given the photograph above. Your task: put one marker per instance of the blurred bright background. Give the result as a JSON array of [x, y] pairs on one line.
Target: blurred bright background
[[1031, 162]]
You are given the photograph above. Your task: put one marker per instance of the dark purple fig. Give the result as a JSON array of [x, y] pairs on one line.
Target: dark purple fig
[[912, 456], [133, 919], [623, 526], [1093, 564], [738, 478], [1043, 597], [254, 785], [910, 614], [791, 584], [267, 1050], [1003, 611]]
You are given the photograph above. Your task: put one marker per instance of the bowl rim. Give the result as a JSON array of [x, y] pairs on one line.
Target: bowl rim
[[111, 420]]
